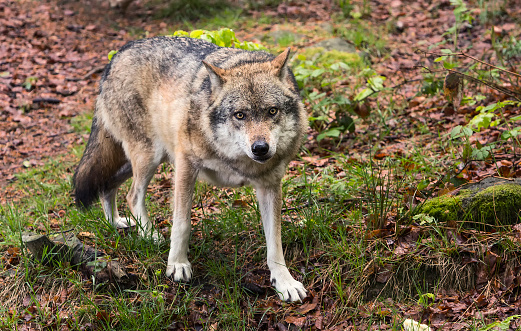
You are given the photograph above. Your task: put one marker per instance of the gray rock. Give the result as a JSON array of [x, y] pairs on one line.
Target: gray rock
[[328, 27], [338, 44]]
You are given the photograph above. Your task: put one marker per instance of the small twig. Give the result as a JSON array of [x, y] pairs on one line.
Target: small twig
[[88, 74], [59, 134], [46, 100], [475, 59]]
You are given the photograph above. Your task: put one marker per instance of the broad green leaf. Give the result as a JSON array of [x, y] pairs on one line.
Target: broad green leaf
[[460, 131], [111, 54], [376, 83], [481, 121], [511, 133], [455, 132], [363, 94], [317, 72], [196, 33], [181, 33], [501, 325], [480, 154], [422, 185], [315, 95], [490, 108], [333, 132], [318, 118], [448, 65]]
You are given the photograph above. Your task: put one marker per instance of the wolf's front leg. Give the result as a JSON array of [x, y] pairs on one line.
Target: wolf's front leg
[[184, 181], [270, 203]]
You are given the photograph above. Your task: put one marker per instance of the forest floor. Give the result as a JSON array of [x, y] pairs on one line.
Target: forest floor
[[359, 276]]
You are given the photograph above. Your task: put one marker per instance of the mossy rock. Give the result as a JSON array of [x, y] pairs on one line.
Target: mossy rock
[[490, 203]]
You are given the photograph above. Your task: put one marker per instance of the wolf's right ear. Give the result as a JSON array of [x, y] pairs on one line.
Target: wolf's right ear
[[217, 76], [279, 64]]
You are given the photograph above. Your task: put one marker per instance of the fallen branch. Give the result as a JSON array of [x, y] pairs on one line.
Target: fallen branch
[[510, 93], [95, 70], [65, 248]]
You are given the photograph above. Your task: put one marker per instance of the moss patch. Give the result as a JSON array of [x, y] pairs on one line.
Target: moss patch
[[447, 207], [326, 58], [497, 205], [492, 206]]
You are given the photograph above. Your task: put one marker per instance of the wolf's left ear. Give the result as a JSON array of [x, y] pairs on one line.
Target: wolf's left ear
[[279, 64], [217, 76]]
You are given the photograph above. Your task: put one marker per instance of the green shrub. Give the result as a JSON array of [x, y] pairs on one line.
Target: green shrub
[[223, 37]]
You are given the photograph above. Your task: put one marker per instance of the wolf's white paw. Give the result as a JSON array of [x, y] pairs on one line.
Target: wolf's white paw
[[124, 222], [179, 271], [288, 289]]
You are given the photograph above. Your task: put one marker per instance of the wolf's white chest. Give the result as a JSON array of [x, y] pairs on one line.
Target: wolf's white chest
[[217, 173]]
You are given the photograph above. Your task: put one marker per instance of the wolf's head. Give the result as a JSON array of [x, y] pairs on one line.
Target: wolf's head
[[257, 109]]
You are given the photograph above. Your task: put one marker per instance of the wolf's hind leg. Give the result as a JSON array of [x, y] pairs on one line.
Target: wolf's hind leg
[[108, 198], [178, 265], [144, 165], [108, 201]]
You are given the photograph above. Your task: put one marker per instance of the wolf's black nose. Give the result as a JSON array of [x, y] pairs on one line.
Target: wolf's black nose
[[260, 148]]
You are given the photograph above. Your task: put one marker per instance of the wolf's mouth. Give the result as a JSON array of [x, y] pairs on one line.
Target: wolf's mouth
[[261, 159]]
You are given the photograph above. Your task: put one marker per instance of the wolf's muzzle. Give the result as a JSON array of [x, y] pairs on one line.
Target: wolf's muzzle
[[260, 148]]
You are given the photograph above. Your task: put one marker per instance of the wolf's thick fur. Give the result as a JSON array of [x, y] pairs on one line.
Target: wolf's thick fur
[[228, 116]]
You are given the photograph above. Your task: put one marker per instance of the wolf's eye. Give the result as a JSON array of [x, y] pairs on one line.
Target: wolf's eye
[[273, 111], [239, 115]]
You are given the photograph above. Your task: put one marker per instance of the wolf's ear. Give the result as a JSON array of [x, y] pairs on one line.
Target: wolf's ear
[[217, 76], [279, 64]]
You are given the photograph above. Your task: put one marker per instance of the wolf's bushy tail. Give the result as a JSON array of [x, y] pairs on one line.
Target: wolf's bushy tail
[[103, 166]]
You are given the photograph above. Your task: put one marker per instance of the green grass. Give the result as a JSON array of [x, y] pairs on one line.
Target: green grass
[[325, 236]]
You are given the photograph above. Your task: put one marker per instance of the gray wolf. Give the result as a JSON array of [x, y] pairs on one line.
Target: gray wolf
[[228, 116]]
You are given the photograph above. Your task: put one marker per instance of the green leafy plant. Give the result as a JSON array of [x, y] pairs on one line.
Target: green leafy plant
[[319, 74], [426, 299], [461, 14], [500, 325], [111, 54], [29, 82], [374, 85], [488, 116], [223, 37], [346, 7], [424, 219]]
